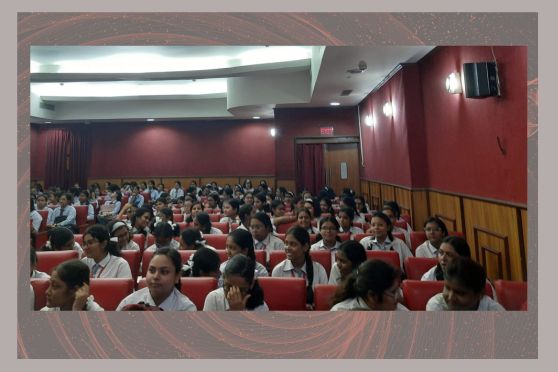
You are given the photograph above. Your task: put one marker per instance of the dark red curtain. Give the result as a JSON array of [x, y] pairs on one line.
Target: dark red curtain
[[310, 167], [67, 157]]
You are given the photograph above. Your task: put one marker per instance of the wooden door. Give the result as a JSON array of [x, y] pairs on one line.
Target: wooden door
[[338, 158]]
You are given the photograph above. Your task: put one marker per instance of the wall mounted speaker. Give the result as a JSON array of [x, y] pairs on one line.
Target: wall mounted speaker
[[481, 79]]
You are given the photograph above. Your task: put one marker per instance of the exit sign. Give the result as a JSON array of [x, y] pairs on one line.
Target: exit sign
[[326, 131]]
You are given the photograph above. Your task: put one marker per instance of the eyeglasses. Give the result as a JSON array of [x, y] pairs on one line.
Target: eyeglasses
[[435, 229]]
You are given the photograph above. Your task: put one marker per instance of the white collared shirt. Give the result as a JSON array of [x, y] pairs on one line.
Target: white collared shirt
[[285, 269], [430, 274], [110, 267], [173, 244], [271, 242], [91, 305], [437, 303], [397, 245], [259, 271], [36, 220], [334, 275], [39, 275], [352, 231], [320, 246], [357, 303], [131, 246], [69, 212], [216, 301], [427, 250], [176, 301]]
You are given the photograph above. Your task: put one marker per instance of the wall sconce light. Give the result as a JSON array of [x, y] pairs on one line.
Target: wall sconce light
[[453, 83], [369, 120], [273, 132], [387, 109]]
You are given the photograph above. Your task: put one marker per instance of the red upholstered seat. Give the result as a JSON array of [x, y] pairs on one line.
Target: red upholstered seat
[[417, 293], [78, 238], [407, 219], [215, 217], [146, 197], [148, 255], [44, 215], [48, 260], [196, 289], [323, 294], [261, 257], [417, 238], [284, 294], [323, 257], [511, 295], [217, 241], [177, 218], [234, 226], [344, 236], [284, 227], [359, 237], [415, 267], [401, 224], [140, 240], [222, 255], [134, 259], [399, 236], [390, 257], [275, 257], [224, 227], [109, 292], [81, 217], [39, 289]]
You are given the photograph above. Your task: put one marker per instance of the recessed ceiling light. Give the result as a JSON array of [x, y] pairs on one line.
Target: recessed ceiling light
[[273, 132], [256, 117], [48, 122], [150, 120], [334, 103]]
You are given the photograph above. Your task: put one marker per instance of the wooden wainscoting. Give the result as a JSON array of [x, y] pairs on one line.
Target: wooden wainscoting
[[365, 190], [375, 195], [101, 181], [448, 209], [420, 210], [185, 181], [404, 199], [221, 181], [289, 184], [494, 237], [388, 193]]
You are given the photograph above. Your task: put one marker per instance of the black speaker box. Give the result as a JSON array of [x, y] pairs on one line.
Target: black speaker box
[[481, 80]]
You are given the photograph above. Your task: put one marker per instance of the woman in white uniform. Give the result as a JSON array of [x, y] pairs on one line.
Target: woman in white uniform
[[304, 220], [120, 232], [103, 255], [240, 290], [327, 239], [374, 286], [347, 259], [241, 242], [163, 284], [69, 289], [464, 288], [435, 230], [262, 232]]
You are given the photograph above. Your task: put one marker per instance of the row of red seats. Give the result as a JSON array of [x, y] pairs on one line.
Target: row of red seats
[[284, 294]]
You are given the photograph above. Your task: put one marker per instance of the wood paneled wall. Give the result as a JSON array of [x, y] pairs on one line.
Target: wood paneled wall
[[289, 184], [495, 231]]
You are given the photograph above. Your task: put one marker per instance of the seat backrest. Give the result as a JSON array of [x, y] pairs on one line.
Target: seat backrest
[[140, 240], [124, 199], [39, 289], [215, 217], [182, 225], [109, 292], [417, 238], [223, 226], [417, 293], [234, 226], [146, 197], [401, 224], [281, 236], [196, 289], [359, 237], [511, 295], [276, 257], [44, 215], [390, 257], [78, 238], [177, 217], [284, 227], [323, 257], [81, 214], [399, 235], [323, 294], [134, 259], [344, 236], [284, 294], [407, 219], [48, 260], [261, 257], [217, 241], [222, 255], [415, 267]]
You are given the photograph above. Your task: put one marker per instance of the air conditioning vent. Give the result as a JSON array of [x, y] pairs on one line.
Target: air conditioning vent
[[346, 92], [46, 106]]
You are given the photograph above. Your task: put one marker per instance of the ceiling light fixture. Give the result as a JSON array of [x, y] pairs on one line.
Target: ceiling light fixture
[[256, 117], [273, 132], [369, 120], [48, 122], [453, 83], [387, 109], [334, 103], [149, 119]]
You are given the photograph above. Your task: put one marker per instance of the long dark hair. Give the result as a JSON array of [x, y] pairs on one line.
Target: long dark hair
[[204, 221], [461, 248], [206, 260], [374, 276], [245, 267], [101, 233], [334, 221], [175, 258], [302, 236], [244, 240], [74, 273], [137, 214], [467, 273], [387, 221], [193, 237], [57, 237], [354, 251]]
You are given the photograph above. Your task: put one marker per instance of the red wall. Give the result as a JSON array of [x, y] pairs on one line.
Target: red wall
[[445, 141], [37, 153], [463, 153], [303, 122]]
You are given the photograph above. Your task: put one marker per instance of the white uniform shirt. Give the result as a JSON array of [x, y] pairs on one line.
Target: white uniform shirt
[[173, 244], [70, 213], [285, 269], [39, 275], [176, 301], [437, 303], [131, 246], [397, 245], [90, 305], [270, 243], [90, 211], [109, 267], [320, 246], [397, 229], [216, 301], [357, 303], [334, 275], [50, 219], [352, 231], [176, 193], [430, 274], [36, 220], [259, 271], [426, 250]]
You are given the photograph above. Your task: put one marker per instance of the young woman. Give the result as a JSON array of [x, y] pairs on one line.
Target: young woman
[[347, 259], [192, 240], [247, 186], [327, 239], [245, 213], [41, 205], [240, 290], [304, 220], [346, 218], [262, 233], [62, 239], [361, 206], [64, 215], [35, 274], [69, 289], [83, 199], [436, 231], [205, 263], [349, 201], [136, 198], [388, 211], [202, 222], [374, 286], [164, 235], [110, 209], [120, 232], [140, 221], [214, 202], [278, 214], [230, 210], [197, 207], [35, 217], [249, 198], [383, 240], [464, 287], [241, 242], [163, 284], [260, 203], [299, 262], [309, 204], [326, 207], [166, 216], [176, 191], [102, 254], [187, 206]]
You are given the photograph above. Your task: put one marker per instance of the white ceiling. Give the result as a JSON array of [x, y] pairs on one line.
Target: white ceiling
[[134, 83]]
